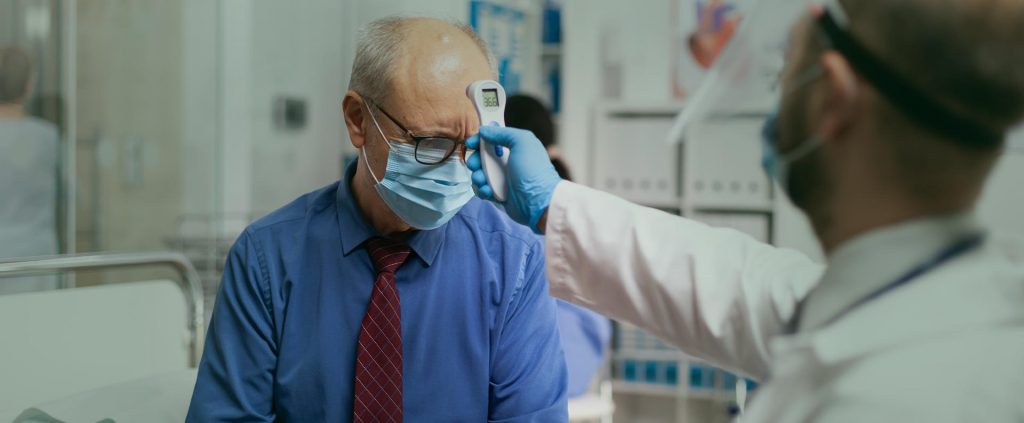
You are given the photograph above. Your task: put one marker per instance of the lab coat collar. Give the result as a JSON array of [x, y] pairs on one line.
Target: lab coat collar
[[355, 230], [872, 260]]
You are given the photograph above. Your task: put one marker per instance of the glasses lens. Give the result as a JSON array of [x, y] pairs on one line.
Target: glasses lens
[[434, 150]]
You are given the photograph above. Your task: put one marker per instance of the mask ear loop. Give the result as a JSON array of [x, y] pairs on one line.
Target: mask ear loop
[[363, 148], [804, 149], [804, 78], [801, 81]]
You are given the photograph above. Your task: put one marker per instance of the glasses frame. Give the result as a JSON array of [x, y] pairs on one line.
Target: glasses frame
[[416, 140]]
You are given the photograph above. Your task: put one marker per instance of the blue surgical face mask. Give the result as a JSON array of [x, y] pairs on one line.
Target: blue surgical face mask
[[424, 196], [777, 165]]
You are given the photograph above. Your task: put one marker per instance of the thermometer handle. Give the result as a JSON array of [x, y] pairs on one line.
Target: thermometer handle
[[496, 168]]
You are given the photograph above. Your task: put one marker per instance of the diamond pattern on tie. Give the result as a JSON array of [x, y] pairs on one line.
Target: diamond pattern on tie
[[378, 384]]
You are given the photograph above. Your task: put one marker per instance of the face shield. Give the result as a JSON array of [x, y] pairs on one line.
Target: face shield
[[744, 81]]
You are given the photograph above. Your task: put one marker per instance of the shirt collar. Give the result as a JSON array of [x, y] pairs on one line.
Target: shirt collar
[[355, 230], [869, 262]]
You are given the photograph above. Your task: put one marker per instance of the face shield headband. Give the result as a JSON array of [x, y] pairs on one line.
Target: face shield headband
[[914, 102]]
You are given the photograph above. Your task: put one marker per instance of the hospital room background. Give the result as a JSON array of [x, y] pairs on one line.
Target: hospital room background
[[180, 122]]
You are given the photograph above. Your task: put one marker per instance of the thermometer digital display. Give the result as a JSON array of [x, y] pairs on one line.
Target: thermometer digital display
[[489, 99]]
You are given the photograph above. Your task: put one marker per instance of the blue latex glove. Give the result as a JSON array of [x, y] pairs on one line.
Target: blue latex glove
[[531, 177]]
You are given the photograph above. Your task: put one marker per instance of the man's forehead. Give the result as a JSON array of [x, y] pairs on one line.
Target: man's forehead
[[440, 61], [440, 79]]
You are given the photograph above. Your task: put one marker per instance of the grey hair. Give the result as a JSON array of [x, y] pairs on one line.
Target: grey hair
[[378, 47]]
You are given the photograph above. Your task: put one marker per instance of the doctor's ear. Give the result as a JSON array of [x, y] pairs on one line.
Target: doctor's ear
[[841, 97], [354, 109]]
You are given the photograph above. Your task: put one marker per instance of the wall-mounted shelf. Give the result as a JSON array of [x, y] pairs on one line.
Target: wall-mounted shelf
[[627, 108]]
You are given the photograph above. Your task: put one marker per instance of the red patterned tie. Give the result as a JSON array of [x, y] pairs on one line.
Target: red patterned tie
[[378, 387]]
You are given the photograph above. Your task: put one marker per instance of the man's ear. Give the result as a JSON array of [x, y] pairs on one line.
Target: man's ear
[[353, 107], [840, 99]]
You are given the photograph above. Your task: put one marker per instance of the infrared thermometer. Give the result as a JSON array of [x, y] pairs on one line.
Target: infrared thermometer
[[489, 99]]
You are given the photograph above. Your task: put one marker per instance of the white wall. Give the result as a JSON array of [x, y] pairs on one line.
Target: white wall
[[364, 11], [299, 49], [599, 35]]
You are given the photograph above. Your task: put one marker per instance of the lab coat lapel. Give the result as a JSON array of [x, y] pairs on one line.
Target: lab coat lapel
[[788, 392]]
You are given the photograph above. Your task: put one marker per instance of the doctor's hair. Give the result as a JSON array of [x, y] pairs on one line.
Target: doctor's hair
[[378, 46], [15, 74], [968, 54]]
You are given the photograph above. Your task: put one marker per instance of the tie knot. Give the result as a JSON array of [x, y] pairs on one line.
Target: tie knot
[[387, 255]]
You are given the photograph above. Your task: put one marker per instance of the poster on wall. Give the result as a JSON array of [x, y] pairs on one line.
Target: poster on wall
[[701, 30], [503, 28], [742, 73]]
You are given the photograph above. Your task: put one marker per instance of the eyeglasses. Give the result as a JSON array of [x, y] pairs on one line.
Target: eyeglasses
[[429, 150]]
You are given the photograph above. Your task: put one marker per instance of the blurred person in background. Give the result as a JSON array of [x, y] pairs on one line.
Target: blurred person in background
[[526, 112], [585, 334], [29, 172]]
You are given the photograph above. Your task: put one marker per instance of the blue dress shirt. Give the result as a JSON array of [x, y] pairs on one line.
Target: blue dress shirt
[[480, 339], [585, 337]]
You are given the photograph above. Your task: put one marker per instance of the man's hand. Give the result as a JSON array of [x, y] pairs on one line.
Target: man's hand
[[531, 177]]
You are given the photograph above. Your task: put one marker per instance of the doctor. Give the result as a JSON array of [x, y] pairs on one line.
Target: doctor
[[885, 135]]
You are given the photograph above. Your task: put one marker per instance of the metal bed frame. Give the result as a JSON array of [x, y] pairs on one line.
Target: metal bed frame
[[189, 283]]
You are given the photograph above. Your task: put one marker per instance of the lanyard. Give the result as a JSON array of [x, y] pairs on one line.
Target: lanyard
[[957, 249]]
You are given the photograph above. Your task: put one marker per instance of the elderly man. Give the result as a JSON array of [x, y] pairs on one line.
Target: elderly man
[[392, 295]]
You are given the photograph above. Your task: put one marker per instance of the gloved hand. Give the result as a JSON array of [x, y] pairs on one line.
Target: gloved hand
[[531, 177]]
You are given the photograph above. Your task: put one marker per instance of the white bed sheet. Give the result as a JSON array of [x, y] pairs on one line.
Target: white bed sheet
[[157, 399]]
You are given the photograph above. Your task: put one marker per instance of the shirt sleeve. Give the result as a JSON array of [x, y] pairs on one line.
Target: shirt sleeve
[[528, 375], [585, 336], [235, 381], [717, 294]]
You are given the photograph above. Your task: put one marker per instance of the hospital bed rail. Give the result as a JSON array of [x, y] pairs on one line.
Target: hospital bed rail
[[189, 283]]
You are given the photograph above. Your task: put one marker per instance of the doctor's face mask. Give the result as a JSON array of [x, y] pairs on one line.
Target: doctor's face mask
[[787, 140], [777, 164]]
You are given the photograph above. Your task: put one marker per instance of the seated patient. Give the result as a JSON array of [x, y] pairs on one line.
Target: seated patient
[[392, 295]]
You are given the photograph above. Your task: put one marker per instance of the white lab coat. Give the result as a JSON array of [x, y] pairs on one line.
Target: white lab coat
[[949, 346]]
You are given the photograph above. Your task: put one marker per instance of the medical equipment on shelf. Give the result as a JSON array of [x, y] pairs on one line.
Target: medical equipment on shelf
[[644, 363], [489, 99]]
